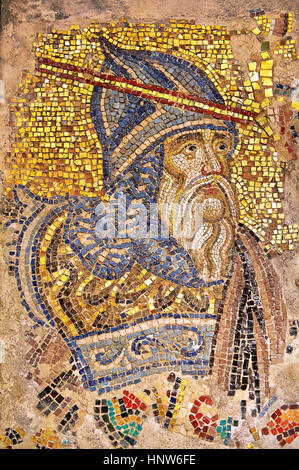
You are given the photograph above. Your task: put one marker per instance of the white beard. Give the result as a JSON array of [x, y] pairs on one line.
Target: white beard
[[202, 223]]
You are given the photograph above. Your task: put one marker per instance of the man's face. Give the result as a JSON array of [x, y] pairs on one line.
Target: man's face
[[201, 152], [197, 201]]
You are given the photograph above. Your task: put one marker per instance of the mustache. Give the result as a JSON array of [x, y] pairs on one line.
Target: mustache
[[201, 182]]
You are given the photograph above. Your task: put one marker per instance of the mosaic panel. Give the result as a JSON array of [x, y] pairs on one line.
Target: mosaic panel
[[143, 207]]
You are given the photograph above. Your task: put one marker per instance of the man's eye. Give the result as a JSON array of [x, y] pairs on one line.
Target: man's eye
[[190, 148], [222, 146]]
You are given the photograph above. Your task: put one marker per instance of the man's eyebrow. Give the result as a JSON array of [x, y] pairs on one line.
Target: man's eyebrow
[[183, 137], [222, 133], [199, 135], [191, 134]]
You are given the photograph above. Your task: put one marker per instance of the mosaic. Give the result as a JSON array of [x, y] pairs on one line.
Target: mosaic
[[144, 205]]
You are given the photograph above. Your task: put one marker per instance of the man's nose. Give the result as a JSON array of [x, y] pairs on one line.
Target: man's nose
[[209, 164]]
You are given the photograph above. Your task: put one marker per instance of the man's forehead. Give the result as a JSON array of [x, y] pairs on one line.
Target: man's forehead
[[199, 133], [208, 124], [205, 127]]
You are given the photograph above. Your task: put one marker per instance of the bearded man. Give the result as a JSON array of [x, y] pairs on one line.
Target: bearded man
[[201, 300]]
